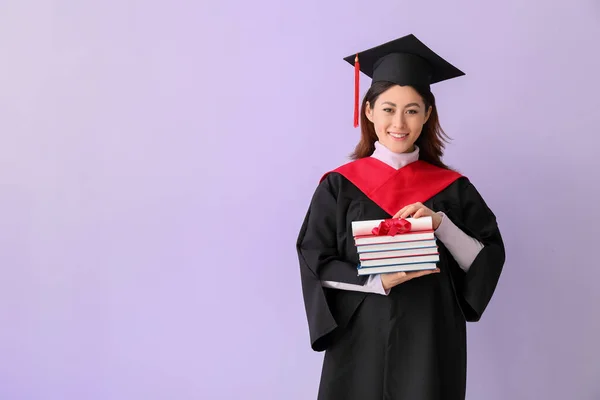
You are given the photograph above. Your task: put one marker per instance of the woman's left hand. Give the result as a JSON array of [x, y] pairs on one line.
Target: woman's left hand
[[418, 210]]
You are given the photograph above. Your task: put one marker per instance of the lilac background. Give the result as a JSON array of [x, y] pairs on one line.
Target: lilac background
[[149, 149]]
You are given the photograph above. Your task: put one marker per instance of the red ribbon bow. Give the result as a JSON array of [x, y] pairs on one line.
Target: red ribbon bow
[[391, 227]]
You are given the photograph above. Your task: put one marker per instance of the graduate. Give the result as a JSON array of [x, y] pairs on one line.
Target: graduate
[[397, 336]]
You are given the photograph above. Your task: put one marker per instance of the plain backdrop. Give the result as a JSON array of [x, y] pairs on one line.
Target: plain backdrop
[[157, 159]]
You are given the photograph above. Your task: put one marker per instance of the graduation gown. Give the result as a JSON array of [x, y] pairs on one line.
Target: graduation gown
[[410, 344]]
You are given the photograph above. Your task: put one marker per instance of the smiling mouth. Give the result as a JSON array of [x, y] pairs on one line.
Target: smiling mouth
[[398, 135]]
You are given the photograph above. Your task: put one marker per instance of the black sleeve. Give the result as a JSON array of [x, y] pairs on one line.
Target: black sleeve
[[318, 248], [476, 287]]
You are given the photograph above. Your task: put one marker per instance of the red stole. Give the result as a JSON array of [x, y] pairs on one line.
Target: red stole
[[392, 189]]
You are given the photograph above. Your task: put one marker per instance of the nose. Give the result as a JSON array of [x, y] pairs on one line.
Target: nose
[[398, 120]]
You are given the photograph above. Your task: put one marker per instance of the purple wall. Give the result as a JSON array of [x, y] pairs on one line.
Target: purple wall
[[157, 158]]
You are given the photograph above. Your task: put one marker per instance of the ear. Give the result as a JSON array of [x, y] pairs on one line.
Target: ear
[[369, 111], [427, 115]]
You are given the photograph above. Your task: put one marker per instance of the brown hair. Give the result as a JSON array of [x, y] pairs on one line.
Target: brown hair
[[430, 142]]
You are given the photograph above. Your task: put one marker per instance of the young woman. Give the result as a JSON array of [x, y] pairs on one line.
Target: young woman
[[397, 335]]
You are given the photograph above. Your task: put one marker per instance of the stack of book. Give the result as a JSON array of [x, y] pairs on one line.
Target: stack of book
[[413, 247]]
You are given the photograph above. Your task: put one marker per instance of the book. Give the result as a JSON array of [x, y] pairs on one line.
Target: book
[[391, 246], [397, 268], [384, 262], [382, 255], [386, 246]]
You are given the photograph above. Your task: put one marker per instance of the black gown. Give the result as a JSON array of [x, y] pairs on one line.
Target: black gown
[[410, 344]]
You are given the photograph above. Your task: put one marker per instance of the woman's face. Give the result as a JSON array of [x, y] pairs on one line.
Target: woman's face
[[398, 116]]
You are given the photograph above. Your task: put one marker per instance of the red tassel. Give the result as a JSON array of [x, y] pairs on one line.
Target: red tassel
[[356, 81]]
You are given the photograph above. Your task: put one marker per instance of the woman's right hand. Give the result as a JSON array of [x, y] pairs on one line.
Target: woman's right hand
[[395, 278]]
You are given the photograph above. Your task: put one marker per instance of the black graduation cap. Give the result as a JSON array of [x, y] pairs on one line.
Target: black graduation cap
[[404, 61]]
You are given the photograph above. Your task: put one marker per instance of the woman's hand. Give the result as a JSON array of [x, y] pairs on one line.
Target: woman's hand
[[395, 278], [417, 210]]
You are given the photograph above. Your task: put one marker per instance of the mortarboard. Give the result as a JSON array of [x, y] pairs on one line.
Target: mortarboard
[[404, 61]]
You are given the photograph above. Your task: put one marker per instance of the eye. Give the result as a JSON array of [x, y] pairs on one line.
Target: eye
[[412, 111], [388, 110]]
